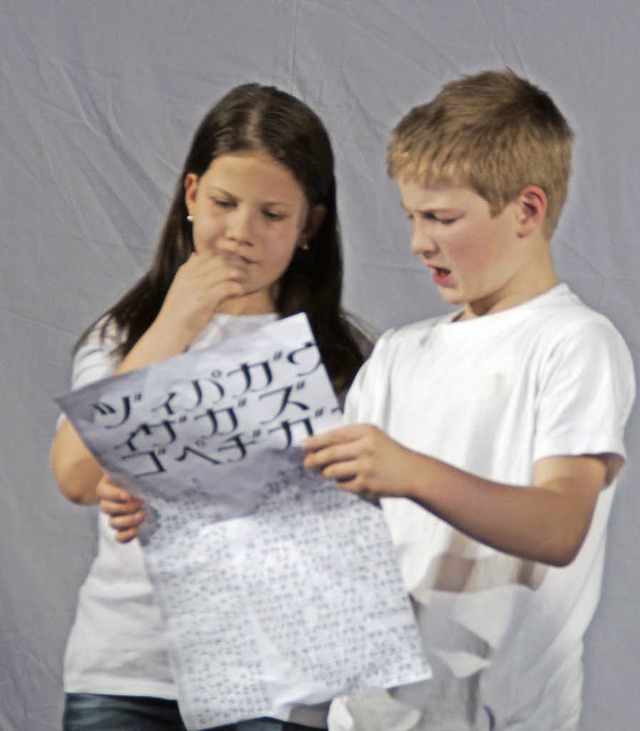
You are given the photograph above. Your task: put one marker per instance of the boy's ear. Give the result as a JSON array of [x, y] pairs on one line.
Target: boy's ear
[[532, 209], [314, 221]]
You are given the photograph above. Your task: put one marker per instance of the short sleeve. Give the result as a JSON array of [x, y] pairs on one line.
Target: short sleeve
[[586, 390], [95, 358], [353, 396], [367, 399]]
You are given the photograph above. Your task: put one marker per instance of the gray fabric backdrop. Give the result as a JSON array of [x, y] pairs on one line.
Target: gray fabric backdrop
[[99, 100]]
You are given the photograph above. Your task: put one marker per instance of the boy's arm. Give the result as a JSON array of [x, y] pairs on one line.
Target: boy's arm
[[545, 521]]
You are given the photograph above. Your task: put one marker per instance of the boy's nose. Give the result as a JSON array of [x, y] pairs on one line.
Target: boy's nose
[[422, 244]]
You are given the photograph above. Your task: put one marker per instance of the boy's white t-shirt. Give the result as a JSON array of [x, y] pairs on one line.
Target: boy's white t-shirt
[[117, 644], [492, 396]]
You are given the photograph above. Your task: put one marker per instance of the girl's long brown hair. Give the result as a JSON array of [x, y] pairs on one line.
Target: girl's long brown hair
[[253, 117]]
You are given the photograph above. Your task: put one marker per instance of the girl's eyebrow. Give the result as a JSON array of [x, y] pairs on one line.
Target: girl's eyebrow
[[217, 189]]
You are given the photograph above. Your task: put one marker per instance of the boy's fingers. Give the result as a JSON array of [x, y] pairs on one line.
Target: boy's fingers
[[317, 460], [340, 435], [317, 441], [341, 472], [332, 454]]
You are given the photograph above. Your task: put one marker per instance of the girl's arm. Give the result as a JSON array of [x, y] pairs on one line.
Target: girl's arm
[[76, 470], [546, 521], [200, 285]]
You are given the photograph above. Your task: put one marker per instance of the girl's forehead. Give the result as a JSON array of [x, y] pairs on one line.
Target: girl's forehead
[[253, 174], [246, 158]]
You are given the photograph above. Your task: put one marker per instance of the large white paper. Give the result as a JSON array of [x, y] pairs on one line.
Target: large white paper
[[277, 588]]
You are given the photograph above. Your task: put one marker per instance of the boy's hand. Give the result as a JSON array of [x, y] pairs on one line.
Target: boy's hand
[[545, 521], [125, 511], [363, 459]]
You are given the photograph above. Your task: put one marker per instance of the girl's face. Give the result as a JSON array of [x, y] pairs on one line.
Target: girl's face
[[251, 210]]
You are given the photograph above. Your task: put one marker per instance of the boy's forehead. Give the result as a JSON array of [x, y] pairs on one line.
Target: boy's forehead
[[432, 195]]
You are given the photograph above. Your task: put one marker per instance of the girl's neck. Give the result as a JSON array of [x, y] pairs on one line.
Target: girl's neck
[[248, 305]]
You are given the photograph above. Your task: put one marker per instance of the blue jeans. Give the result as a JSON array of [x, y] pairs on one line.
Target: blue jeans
[[89, 712]]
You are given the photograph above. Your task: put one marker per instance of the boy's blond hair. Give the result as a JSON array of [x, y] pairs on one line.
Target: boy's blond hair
[[493, 132]]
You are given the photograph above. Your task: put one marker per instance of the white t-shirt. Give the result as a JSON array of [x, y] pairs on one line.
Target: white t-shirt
[[117, 644], [492, 396]]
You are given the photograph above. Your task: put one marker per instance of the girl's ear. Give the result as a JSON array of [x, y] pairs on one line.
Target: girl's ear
[[532, 210], [314, 221], [190, 191]]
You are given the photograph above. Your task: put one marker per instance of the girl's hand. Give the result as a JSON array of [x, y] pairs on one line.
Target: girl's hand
[[363, 459], [199, 287], [125, 511]]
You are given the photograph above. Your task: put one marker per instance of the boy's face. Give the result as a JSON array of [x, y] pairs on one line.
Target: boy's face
[[476, 259]]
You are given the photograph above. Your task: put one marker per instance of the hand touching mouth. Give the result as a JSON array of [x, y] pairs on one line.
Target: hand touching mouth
[[237, 259]]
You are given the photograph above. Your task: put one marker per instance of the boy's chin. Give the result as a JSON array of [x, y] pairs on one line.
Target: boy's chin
[[450, 296]]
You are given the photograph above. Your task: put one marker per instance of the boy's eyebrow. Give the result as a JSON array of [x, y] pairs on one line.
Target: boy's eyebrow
[[432, 209]]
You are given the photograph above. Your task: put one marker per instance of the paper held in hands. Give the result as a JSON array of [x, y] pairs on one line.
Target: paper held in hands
[[277, 589]]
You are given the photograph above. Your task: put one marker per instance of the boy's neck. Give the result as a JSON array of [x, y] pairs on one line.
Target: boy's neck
[[475, 310], [538, 278]]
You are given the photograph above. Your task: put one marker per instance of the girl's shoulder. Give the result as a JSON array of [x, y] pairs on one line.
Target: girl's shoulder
[[96, 353]]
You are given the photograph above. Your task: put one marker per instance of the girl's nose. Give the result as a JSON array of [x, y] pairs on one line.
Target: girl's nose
[[240, 226]]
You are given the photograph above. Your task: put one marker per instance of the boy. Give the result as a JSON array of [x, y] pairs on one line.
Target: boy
[[492, 435]]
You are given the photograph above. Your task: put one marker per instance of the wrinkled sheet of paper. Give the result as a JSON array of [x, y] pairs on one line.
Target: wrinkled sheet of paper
[[277, 588]]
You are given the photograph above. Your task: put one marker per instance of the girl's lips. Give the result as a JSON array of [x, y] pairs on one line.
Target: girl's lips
[[238, 260]]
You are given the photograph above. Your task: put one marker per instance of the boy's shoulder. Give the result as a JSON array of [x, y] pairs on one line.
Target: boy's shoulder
[[561, 315], [555, 316], [410, 333]]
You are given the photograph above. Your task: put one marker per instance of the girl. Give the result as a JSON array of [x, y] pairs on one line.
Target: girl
[[251, 235]]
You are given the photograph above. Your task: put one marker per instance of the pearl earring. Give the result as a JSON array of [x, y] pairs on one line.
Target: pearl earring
[[190, 218]]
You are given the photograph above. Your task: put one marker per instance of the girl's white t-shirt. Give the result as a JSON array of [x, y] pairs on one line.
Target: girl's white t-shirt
[[117, 643]]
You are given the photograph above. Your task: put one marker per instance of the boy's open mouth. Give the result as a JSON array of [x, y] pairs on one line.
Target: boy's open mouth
[[442, 271]]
